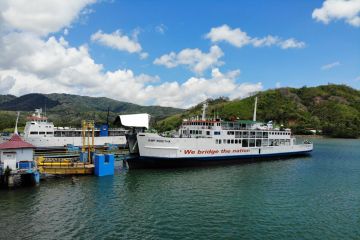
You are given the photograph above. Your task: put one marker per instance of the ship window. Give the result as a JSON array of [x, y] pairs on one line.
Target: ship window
[[216, 133], [33, 133], [245, 143], [224, 141], [228, 141], [239, 141], [50, 133], [191, 131], [41, 132], [252, 134], [200, 132], [258, 142], [232, 141], [252, 143], [258, 134], [207, 132], [236, 141], [265, 135]]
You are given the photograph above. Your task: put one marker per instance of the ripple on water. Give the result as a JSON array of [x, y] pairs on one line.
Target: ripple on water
[[314, 197]]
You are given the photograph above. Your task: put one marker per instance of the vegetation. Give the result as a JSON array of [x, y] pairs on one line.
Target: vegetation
[[69, 110], [332, 109]]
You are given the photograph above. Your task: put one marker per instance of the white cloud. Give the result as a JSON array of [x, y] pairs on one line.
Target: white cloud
[[291, 43], [41, 16], [330, 65], [195, 59], [161, 28], [195, 89], [278, 85], [347, 10], [239, 38], [118, 41], [6, 83], [32, 62], [266, 41], [235, 36], [53, 66], [357, 79]]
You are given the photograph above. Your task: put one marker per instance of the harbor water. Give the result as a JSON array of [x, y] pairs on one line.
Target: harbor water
[[312, 197]]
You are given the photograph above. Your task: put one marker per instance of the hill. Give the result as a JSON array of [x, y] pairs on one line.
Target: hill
[[67, 109], [334, 109], [6, 98]]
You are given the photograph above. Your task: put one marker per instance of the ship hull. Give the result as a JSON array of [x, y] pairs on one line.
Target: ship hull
[[141, 162]]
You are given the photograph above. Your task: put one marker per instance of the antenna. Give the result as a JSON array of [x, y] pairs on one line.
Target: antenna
[[16, 124], [254, 117]]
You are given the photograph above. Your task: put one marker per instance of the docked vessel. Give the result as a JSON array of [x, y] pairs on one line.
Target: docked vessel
[[42, 134], [205, 141]]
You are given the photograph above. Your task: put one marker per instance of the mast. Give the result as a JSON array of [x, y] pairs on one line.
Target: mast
[[203, 117], [254, 117], [16, 124]]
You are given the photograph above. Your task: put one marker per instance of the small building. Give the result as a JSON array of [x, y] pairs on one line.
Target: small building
[[16, 154]]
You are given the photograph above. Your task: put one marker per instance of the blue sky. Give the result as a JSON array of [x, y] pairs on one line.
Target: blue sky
[[177, 53]]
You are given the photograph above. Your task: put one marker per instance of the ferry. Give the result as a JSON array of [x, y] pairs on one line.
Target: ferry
[[43, 134], [202, 141]]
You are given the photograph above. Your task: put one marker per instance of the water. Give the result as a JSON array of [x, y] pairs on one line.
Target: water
[[315, 197]]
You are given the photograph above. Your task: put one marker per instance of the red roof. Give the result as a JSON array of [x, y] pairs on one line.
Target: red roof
[[15, 142]]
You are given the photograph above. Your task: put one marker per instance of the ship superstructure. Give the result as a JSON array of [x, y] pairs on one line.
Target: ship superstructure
[[42, 133]]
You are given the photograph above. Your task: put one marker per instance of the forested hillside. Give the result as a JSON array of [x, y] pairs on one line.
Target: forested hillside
[[333, 109]]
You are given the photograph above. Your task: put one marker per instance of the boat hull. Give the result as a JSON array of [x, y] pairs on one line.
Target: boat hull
[[141, 162]]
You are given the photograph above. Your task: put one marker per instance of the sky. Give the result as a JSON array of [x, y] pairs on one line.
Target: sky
[[176, 53]]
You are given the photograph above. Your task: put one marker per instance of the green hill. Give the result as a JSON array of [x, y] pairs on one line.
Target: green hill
[[334, 109], [69, 110]]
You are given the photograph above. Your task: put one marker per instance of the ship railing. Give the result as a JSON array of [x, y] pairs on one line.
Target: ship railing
[[235, 128]]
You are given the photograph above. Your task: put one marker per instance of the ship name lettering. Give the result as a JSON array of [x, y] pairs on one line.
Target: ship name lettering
[[225, 151], [240, 150], [210, 151], [189, 151]]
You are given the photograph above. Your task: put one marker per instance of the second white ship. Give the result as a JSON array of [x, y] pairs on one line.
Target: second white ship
[[42, 134]]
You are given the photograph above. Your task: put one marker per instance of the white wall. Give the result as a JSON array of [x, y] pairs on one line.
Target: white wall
[[25, 154]]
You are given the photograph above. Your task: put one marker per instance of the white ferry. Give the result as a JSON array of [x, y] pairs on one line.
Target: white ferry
[[42, 134], [206, 141]]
